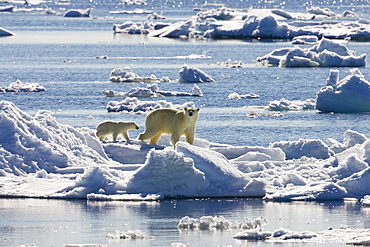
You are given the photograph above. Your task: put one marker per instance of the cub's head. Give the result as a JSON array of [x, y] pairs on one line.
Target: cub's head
[[134, 126], [191, 111]]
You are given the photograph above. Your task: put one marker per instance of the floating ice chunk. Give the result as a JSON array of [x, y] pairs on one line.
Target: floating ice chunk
[[126, 75], [282, 13], [294, 105], [78, 13], [222, 13], [156, 16], [192, 74], [20, 87], [349, 95], [254, 234], [133, 105], [152, 90], [305, 39], [326, 53], [243, 96], [137, 234], [321, 11]]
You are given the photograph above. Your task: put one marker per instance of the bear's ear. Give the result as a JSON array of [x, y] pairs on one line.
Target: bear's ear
[[185, 109], [198, 109]]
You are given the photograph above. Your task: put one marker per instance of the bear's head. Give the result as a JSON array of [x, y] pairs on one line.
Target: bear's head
[[191, 111]]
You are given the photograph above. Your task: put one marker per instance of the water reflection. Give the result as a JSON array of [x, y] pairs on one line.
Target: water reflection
[[58, 222]]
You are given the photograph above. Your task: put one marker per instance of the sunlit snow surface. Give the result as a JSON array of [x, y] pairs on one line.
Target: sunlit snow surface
[[54, 160]]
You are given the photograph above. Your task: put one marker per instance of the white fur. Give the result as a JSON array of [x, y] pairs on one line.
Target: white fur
[[170, 121], [115, 128]]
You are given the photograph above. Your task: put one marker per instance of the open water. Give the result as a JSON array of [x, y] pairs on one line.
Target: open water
[[60, 54]]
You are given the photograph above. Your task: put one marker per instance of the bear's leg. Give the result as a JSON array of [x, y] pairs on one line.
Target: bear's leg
[[155, 139], [175, 137], [190, 135], [148, 134], [125, 135], [115, 135], [100, 135]]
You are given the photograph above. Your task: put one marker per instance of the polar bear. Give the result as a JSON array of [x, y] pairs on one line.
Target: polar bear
[[107, 128], [170, 121]]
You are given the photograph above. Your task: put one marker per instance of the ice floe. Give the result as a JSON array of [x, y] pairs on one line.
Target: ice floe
[[235, 95], [40, 157], [78, 13], [291, 105], [137, 234], [351, 94], [192, 74], [133, 105], [326, 53], [263, 23], [152, 90], [126, 75], [20, 87]]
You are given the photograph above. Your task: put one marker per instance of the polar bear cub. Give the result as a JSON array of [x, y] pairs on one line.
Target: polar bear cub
[[170, 121], [115, 128]]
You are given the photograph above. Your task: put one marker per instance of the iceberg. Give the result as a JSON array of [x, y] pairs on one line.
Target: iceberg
[[192, 74], [78, 13], [326, 53], [20, 87], [349, 95]]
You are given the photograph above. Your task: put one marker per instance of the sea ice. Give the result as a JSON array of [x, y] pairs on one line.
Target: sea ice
[[235, 95], [291, 105], [78, 13], [257, 23], [133, 105], [192, 74], [126, 75], [40, 157], [19, 87], [152, 90], [349, 95], [326, 53]]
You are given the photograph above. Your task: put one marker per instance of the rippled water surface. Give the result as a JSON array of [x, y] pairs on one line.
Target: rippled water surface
[[60, 54]]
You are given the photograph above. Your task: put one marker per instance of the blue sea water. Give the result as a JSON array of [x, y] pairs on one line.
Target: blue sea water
[[60, 54]]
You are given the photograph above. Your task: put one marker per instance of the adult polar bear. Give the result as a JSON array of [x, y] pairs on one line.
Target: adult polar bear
[[170, 121], [107, 128]]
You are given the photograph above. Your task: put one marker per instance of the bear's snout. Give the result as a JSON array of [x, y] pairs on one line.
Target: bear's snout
[[190, 114]]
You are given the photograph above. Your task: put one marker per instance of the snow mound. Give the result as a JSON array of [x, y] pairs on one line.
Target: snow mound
[[192, 74], [304, 147], [349, 95], [326, 53], [133, 105], [31, 144], [152, 90], [19, 87]]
